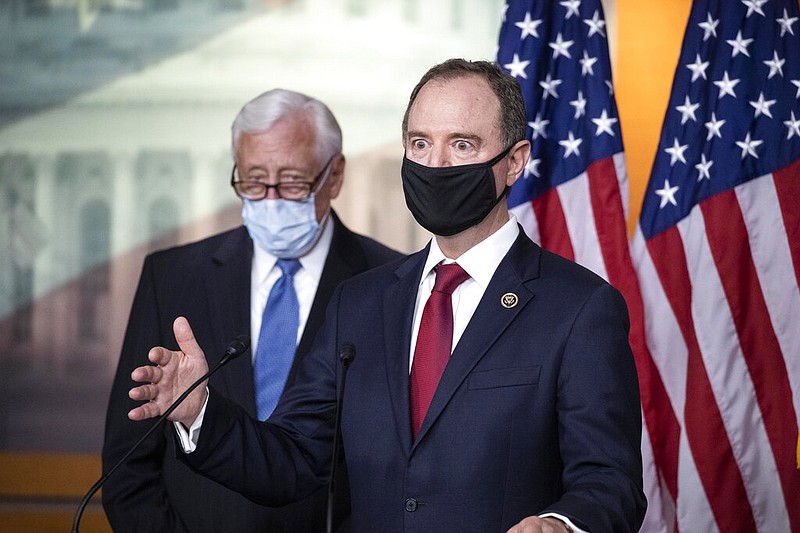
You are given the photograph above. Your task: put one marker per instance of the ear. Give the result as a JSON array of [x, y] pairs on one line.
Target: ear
[[336, 178], [517, 159]]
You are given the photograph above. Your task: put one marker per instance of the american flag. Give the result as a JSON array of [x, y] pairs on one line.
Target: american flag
[[573, 196], [717, 251]]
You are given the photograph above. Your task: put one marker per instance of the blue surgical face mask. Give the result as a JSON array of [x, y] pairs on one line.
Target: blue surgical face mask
[[284, 228]]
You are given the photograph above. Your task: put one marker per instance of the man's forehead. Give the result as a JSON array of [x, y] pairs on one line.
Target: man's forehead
[[462, 107], [471, 82]]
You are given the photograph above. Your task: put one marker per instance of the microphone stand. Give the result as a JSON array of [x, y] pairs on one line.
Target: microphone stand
[[346, 356], [236, 347]]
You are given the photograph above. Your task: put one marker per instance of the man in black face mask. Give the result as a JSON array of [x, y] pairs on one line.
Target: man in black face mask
[[494, 388]]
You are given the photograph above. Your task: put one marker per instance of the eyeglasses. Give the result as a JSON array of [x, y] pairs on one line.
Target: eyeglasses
[[296, 191]]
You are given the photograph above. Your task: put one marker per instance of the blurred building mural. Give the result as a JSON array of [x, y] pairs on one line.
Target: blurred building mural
[[114, 141]]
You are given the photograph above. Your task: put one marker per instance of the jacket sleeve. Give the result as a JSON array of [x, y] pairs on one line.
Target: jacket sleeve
[[288, 456], [599, 420]]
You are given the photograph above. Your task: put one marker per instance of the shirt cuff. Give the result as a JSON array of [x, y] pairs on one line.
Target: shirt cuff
[[573, 527], [188, 438]]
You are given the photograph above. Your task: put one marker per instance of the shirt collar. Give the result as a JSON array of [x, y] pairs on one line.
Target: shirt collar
[[480, 261], [313, 262]]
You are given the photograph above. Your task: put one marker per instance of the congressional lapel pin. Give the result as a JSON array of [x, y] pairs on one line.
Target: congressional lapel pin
[[509, 300]]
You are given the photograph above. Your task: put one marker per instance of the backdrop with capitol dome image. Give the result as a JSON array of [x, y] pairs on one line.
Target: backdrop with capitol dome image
[[115, 141]]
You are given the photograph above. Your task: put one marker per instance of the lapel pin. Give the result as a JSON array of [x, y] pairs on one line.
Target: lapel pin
[[509, 300]]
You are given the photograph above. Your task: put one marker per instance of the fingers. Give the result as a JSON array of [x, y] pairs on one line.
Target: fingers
[[146, 374], [145, 392], [144, 411], [149, 409], [185, 337], [149, 373], [534, 524], [159, 356], [170, 373]]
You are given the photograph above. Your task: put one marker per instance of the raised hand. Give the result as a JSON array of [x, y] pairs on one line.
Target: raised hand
[[172, 374]]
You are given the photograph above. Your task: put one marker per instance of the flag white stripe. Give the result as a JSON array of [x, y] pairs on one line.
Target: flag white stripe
[[664, 336], [670, 355], [773, 262], [654, 518], [576, 203], [622, 180], [725, 365], [694, 511]]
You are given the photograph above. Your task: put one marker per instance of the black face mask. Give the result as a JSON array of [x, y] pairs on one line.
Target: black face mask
[[448, 200]]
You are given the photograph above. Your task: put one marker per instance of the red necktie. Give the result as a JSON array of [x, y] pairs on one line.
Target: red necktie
[[434, 341]]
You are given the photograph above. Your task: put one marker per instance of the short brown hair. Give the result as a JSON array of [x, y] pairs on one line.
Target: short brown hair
[[505, 87]]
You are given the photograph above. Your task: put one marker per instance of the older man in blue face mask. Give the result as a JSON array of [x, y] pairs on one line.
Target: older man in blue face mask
[[286, 174], [272, 277]]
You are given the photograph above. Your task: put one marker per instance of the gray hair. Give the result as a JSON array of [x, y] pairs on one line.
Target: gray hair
[[260, 113]]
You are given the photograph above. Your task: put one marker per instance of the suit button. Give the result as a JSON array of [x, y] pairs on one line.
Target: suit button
[[411, 505]]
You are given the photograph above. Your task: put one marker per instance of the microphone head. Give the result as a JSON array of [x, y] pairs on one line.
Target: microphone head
[[237, 346], [347, 353]]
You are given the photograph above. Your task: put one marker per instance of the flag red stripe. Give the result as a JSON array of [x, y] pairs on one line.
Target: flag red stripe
[[608, 219], [553, 230], [727, 237], [661, 422], [705, 431], [787, 183]]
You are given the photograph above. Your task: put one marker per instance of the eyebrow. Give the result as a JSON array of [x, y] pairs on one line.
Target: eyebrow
[[266, 170], [467, 136], [451, 136]]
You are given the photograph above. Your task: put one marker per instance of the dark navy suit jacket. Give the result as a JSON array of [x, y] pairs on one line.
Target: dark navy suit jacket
[[209, 283], [537, 411]]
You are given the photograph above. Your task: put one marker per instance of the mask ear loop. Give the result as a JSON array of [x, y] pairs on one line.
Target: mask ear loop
[[312, 196], [497, 158], [324, 176], [500, 156], [502, 195]]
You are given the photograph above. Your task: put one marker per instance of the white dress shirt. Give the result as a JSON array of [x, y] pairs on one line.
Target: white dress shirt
[[479, 262], [265, 272]]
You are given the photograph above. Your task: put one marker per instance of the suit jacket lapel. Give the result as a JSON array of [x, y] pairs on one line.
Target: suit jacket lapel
[[228, 282], [398, 311], [490, 320], [345, 259]]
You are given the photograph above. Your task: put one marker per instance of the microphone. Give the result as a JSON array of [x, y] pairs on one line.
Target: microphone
[[234, 349], [346, 356]]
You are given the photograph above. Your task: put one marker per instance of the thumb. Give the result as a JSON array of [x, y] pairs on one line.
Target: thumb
[[185, 338]]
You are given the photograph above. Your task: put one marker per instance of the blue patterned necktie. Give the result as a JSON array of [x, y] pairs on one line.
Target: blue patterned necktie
[[277, 339]]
